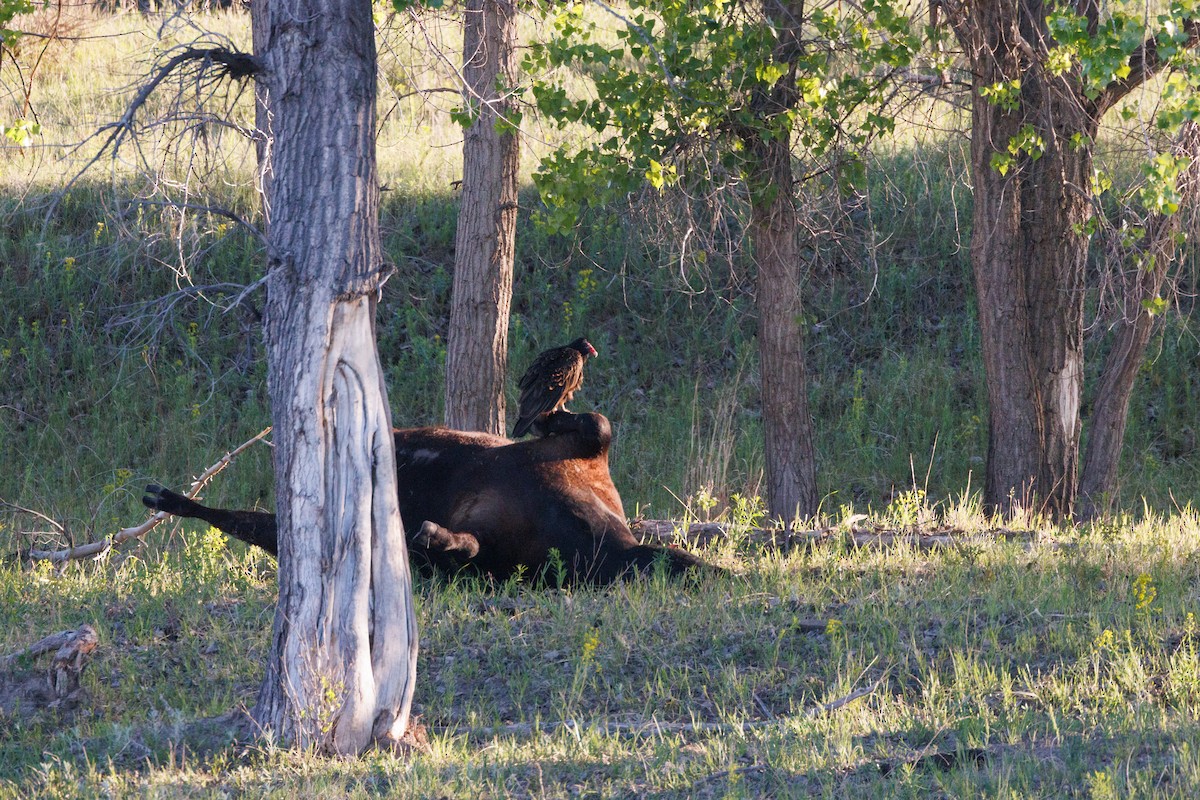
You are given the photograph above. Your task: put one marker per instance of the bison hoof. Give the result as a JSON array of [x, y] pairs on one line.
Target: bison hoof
[[436, 539], [427, 535], [162, 499]]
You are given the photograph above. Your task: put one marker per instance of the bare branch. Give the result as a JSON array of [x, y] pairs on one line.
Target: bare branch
[[701, 533], [228, 63], [38, 514], [100, 548], [654, 726], [218, 210]]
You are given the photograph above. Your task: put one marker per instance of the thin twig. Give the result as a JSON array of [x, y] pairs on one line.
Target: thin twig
[[100, 548], [38, 514], [217, 210]]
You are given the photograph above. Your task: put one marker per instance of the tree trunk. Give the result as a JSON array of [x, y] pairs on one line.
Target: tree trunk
[[789, 453], [262, 117], [477, 344], [787, 427], [1029, 245], [343, 649], [1131, 334], [1028, 256]]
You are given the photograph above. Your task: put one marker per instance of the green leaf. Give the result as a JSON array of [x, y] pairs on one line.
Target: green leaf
[[22, 132], [769, 73], [1154, 305], [658, 176]]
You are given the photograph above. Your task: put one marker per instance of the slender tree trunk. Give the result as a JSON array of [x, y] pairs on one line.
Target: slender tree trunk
[[340, 672], [789, 452], [477, 344], [1131, 334], [787, 426]]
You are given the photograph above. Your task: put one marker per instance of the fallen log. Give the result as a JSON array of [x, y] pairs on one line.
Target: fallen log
[[59, 687]]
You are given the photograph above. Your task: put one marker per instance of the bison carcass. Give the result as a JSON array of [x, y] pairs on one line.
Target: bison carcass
[[545, 508]]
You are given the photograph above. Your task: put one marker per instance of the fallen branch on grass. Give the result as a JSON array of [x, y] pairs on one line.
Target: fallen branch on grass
[[698, 534], [56, 641], [100, 548]]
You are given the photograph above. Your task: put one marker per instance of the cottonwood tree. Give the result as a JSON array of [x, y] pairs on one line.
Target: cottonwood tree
[[485, 241], [729, 96], [342, 662], [341, 668], [1044, 75]]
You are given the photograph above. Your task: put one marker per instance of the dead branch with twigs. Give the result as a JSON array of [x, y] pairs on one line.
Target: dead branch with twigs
[[212, 65], [100, 548]]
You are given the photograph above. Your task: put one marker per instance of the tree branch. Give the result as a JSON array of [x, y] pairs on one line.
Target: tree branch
[[1144, 64], [100, 548], [702, 533], [653, 726], [231, 63]]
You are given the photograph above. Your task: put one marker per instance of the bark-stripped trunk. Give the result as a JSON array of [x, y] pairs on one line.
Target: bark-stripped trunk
[[343, 649], [789, 453], [477, 344], [1131, 334]]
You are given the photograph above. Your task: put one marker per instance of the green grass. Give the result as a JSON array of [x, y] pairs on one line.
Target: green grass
[[1052, 657], [1072, 663]]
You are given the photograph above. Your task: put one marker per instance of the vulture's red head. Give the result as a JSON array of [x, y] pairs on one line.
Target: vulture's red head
[[584, 347]]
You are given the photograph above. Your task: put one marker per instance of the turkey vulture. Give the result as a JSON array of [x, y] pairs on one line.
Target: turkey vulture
[[551, 381]]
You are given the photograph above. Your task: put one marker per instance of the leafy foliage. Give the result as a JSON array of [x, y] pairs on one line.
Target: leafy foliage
[[1099, 57], [684, 88], [9, 10], [21, 131]]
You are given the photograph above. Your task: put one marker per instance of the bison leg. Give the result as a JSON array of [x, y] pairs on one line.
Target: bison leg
[[436, 539], [252, 527]]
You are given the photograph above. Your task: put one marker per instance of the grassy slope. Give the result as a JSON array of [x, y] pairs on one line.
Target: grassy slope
[[998, 646]]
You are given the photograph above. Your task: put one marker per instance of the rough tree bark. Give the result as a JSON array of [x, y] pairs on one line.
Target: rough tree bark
[[477, 343], [1131, 334], [789, 454], [1029, 246], [343, 648], [262, 116]]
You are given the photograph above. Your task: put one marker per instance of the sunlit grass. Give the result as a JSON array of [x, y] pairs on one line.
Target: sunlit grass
[[1068, 662]]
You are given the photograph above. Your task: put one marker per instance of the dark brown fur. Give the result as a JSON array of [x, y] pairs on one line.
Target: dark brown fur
[[475, 502]]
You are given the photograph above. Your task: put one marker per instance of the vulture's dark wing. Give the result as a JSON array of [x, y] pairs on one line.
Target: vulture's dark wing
[[552, 377]]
